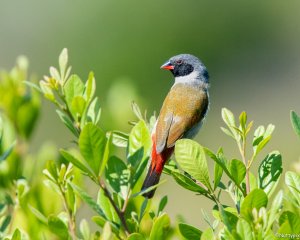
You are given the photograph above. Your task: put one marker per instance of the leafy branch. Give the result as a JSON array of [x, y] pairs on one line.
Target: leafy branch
[[120, 211], [80, 111]]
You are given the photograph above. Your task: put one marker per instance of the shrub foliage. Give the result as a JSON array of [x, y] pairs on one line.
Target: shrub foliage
[[42, 192]]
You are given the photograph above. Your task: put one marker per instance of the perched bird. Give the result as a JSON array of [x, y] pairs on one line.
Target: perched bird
[[181, 115]]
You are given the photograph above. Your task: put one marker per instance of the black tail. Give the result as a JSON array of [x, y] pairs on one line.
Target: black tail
[[151, 179]]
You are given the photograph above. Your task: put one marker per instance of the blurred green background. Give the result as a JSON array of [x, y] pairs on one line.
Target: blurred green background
[[251, 50]]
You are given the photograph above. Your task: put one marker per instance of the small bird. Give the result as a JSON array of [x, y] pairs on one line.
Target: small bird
[[181, 115]]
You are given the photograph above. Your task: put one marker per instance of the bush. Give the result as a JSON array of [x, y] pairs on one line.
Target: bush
[[258, 210]]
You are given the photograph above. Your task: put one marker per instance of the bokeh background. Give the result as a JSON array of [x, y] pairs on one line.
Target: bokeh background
[[251, 49]]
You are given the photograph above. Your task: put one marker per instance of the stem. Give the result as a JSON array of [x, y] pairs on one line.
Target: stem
[[67, 111], [125, 203], [243, 153], [214, 198], [250, 162], [118, 211], [72, 224]]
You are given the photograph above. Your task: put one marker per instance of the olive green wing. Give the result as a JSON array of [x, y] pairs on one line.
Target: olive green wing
[[176, 118]]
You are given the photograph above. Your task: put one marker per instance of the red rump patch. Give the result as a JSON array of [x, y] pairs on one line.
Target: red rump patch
[[158, 160]]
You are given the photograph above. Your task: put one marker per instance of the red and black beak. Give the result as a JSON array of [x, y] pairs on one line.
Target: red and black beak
[[168, 66]]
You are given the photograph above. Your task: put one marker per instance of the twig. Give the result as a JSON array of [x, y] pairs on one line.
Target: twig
[[67, 111], [243, 154], [125, 203], [72, 224], [118, 211]]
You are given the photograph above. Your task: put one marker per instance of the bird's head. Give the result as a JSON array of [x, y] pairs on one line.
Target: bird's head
[[186, 64]]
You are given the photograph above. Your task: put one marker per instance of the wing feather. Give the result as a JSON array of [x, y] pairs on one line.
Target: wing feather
[[183, 108]]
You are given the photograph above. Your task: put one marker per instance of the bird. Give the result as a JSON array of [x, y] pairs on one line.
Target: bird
[[181, 115]]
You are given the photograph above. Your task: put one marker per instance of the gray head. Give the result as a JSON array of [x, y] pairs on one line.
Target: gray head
[[184, 64]]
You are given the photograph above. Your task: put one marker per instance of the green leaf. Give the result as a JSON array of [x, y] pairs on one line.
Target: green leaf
[[191, 158], [269, 172], [262, 144], [188, 183], [48, 93], [136, 110], [70, 198], [106, 206], [228, 218], [94, 111], [160, 227], [147, 190], [243, 120], [163, 202], [21, 191], [6, 154], [78, 106], [68, 122], [119, 139], [135, 236], [228, 117], [106, 233], [143, 208], [76, 162], [90, 88], [88, 200], [275, 209], [92, 142], [139, 171], [34, 86], [269, 130], [170, 167], [289, 223], [230, 235], [38, 214], [139, 144], [252, 180], [292, 180], [5, 223], [26, 122], [189, 232], [261, 138], [257, 198], [100, 221], [237, 170], [52, 169], [295, 119], [58, 227], [244, 230], [106, 155], [16, 235], [220, 159], [54, 73], [152, 214], [73, 87], [229, 120], [248, 128], [63, 61], [208, 234], [227, 132], [118, 176], [218, 172], [84, 229]]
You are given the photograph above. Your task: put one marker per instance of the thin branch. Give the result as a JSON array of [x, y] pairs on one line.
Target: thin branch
[[67, 111], [118, 211], [125, 203], [72, 224], [243, 154]]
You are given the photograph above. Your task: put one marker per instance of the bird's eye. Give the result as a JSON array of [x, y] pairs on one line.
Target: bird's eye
[[179, 61]]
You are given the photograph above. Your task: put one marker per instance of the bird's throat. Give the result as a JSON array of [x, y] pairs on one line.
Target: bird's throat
[[194, 79]]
